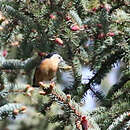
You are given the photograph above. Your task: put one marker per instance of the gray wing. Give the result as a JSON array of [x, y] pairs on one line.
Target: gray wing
[[65, 79]]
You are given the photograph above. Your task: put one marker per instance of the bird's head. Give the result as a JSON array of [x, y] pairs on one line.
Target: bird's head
[[56, 58]]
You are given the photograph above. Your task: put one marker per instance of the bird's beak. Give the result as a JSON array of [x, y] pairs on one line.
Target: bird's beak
[[64, 66]]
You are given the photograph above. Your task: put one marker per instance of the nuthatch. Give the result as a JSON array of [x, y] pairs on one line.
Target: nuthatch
[[48, 68]]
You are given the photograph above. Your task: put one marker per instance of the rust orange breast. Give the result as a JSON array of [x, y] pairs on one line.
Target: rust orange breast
[[46, 71]]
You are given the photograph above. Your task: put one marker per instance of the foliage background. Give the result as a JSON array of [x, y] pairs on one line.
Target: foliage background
[[94, 38]]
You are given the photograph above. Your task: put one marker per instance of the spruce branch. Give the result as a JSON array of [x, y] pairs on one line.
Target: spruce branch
[[10, 87], [60, 3], [105, 68], [118, 86], [117, 107], [77, 71], [120, 94], [126, 125], [59, 118], [28, 64], [80, 7], [27, 20], [101, 115], [10, 110], [14, 13], [16, 88], [46, 106], [96, 79], [119, 5], [8, 31], [69, 105], [82, 54], [75, 17], [120, 121]]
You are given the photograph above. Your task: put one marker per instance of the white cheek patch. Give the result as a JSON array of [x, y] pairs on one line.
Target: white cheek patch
[[56, 56]]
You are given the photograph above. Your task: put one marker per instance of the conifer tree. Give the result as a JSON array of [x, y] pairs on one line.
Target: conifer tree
[[91, 33]]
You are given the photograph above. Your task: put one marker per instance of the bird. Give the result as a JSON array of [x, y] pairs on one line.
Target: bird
[[50, 66]]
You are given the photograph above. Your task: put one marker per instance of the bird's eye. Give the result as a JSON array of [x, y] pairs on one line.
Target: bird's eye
[[59, 57]]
